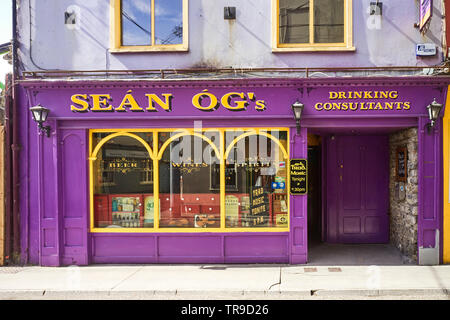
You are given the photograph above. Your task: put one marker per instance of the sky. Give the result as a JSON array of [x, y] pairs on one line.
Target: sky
[[5, 34]]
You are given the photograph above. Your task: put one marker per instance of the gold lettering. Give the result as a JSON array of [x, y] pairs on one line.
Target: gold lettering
[[100, 102], [368, 95], [197, 101], [316, 106], [378, 106], [327, 106], [129, 100], [393, 94], [341, 95], [260, 105], [240, 104], [406, 105], [384, 94], [333, 95], [358, 94], [76, 99], [165, 105]]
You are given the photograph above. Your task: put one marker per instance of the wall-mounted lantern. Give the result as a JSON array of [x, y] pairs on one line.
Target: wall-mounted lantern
[[297, 108], [40, 114], [434, 109]]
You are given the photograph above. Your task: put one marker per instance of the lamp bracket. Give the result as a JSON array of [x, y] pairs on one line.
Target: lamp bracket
[[45, 129]]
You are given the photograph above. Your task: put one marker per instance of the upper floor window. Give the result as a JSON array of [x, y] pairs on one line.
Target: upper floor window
[[307, 25], [149, 25]]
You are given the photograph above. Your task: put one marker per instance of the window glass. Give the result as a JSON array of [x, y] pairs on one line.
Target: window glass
[[191, 179], [328, 21], [256, 172], [123, 183], [136, 22], [168, 22], [294, 21], [187, 198]]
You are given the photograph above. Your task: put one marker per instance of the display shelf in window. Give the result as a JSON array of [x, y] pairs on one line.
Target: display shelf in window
[[126, 211]]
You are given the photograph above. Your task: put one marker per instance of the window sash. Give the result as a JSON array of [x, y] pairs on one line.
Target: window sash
[[347, 44], [116, 31], [155, 152]]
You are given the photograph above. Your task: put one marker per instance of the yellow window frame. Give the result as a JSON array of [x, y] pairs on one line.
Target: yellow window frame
[[156, 153], [347, 45], [116, 31]]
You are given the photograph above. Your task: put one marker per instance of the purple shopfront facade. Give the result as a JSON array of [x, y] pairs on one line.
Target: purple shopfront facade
[[54, 171]]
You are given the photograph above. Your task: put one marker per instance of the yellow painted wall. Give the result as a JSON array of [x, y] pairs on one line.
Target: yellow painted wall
[[446, 161]]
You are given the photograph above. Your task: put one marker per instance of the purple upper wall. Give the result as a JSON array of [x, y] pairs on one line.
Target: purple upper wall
[[46, 43]]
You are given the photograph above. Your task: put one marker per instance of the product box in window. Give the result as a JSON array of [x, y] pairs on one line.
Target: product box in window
[[276, 205], [232, 211], [102, 213], [148, 218], [281, 184], [281, 219]]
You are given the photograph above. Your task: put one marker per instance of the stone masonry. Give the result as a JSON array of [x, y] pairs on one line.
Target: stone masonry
[[403, 212]]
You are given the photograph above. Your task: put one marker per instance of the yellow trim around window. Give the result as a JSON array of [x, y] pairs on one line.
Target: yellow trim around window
[[113, 135], [187, 133], [347, 45], [446, 161], [116, 31], [156, 155]]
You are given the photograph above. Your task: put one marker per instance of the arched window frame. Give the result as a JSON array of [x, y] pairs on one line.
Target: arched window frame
[[156, 153]]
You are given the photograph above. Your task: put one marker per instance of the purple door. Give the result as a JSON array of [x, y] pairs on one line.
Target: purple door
[[73, 197], [357, 189]]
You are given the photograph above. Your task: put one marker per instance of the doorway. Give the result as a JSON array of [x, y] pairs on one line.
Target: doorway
[[357, 195], [348, 199]]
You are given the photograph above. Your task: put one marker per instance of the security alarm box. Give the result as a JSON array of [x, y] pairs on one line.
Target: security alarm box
[[425, 49]]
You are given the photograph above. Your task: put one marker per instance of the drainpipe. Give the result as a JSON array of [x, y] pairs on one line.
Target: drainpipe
[[15, 148], [7, 187]]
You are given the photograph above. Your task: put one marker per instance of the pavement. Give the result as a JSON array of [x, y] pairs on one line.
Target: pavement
[[224, 282]]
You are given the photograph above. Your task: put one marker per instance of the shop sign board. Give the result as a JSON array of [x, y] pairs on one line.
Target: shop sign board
[[298, 170], [182, 99], [259, 207], [402, 164]]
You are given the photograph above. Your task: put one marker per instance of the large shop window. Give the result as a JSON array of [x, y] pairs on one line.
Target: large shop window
[[312, 25], [149, 25], [215, 180]]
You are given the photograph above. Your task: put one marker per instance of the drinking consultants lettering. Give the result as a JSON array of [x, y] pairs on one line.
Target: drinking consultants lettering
[[362, 100]]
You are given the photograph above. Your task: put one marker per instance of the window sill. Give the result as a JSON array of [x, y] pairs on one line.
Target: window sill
[[313, 49], [149, 49]]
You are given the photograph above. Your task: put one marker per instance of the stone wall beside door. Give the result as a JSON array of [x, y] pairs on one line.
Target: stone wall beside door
[[404, 209]]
